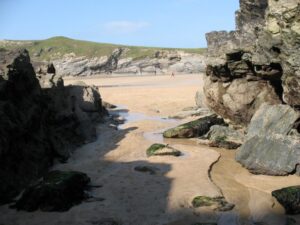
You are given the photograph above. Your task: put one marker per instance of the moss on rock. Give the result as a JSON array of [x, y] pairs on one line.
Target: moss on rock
[[195, 128], [289, 198], [218, 203], [161, 150]]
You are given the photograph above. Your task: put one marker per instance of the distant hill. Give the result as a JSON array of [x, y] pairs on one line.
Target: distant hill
[[84, 58], [56, 47]]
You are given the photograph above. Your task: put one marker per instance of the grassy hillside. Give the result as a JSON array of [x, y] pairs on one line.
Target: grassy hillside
[[56, 47]]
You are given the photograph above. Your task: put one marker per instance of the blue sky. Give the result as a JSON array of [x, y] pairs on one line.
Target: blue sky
[[161, 23]]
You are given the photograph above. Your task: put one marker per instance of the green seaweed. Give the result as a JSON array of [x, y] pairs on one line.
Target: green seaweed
[[154, 148]]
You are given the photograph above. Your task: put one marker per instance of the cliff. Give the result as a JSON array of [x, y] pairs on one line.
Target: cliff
[[82, 58], [40, 120], [253, 79]]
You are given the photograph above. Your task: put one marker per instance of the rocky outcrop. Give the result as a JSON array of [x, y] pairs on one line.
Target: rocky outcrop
[[257, 63], [38, 124], [253, 79], [162, 62]]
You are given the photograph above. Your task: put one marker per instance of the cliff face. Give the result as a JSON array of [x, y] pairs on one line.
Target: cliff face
[[253, 79], [258, 63], [163, 62], [38, 124]]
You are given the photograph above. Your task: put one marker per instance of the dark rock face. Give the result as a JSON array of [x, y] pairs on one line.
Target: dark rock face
[[195, 128], [37, 124], [58, 191], [289, 198], [257, 63]]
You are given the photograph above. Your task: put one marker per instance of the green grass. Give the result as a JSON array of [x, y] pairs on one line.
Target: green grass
[[56, 47]]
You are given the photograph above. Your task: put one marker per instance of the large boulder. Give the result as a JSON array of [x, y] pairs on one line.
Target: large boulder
[[270, 155], [58, 191], [195, 128], [268, 148]]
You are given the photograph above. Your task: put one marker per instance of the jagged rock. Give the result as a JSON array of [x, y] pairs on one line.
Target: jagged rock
[[58, 191], [268, 149], [46, 123], [289, 198], [161, 150], [218, 203], [224, 137], [257, 63], [272, 119], [195, 128]]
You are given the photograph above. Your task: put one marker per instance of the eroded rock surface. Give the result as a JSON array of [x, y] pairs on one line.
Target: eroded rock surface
[[38, 124], [163, 62], [257, 63]]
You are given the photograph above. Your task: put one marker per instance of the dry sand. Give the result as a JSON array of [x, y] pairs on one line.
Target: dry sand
[[135, 198]]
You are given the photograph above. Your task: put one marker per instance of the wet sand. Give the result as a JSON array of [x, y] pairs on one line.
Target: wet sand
[[135, 198]]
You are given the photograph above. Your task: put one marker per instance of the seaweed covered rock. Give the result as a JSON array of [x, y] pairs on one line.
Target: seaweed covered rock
[[161, 150], [195, 128], [289, 198], [58, 191], [217, 203]]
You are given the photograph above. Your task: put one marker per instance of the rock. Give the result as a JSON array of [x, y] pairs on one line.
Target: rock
[[289, 198], [47, 122], [270, 155], [192, 112], [108, 105], [238, 100], [161, 150], [218, 203], [268, 149], [224, 137], [200, 99], [258, 63], [195, 128], [58, 191], [276, 119]]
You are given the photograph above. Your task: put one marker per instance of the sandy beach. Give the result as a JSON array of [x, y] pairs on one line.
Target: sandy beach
[[131, 197]]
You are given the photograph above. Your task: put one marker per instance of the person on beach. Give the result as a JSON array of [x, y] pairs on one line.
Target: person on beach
[[173, 74]]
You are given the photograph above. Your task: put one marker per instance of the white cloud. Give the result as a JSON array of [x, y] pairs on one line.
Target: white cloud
[[125, 26]]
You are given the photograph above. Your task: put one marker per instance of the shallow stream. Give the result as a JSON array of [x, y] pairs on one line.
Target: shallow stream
[[252, 204]]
